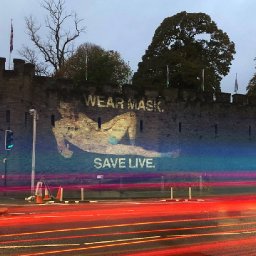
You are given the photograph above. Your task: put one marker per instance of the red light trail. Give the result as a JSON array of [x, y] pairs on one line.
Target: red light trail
[[152, 227]]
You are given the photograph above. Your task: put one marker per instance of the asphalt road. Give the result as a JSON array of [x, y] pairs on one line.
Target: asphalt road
[[131, 228]]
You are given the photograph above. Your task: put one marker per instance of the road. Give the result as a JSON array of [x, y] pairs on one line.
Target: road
[[212, 227]]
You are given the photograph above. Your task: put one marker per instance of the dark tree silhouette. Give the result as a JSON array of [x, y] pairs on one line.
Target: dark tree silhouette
[[182, 46], [251, 87], [91, 63]]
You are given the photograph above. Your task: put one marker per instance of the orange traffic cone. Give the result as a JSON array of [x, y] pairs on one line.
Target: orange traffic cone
[[60, 194], [39, 199], [46, 195], [38, 194]]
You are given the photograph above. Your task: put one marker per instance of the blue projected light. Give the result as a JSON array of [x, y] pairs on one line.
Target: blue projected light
[[112, 140]]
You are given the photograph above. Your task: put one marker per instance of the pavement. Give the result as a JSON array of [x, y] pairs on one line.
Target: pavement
[[7, 201]]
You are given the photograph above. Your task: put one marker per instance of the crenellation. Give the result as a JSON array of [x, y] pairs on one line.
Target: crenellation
[[129, 91], [223, 97], [188, 95], [170, 95], [29, 69], [2, 66], [18, 66], [108, 89], [240, 99]]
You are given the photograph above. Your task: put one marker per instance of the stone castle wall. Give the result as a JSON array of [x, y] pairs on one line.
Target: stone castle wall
[[198, 126]]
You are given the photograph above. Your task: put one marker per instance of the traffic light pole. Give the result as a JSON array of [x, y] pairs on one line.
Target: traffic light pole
[[8, 137], [5, 168]]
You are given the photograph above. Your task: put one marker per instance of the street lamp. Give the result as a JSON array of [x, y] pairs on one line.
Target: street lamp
[[33, 112]]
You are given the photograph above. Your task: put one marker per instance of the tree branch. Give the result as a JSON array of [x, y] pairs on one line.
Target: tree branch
[[58, 46]]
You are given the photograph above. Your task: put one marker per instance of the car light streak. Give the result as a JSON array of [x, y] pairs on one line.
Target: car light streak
[[36, 246], [205, 247], [177, 217], [134, 232], [125, 225], [123, 240], [150, 240]]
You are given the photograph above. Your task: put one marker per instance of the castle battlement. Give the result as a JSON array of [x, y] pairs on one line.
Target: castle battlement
[[20, 68], [66, 86]]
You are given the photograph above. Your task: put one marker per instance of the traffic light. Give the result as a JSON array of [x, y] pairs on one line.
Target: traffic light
[[8, 140]]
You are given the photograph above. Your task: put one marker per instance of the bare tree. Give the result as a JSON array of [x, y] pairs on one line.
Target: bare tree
[[57, 44], [30, 55]]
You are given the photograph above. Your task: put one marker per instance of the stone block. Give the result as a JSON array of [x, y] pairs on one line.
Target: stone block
[[18, 65], [151, 93], [223, 97], [2, 65], [240, 99], [252, 100], [170, 94], [29, 69]]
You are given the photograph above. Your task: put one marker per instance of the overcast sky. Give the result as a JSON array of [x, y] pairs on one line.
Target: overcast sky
[[128, 26]]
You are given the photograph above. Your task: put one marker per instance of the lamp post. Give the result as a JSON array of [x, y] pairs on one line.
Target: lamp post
[[33, 112]]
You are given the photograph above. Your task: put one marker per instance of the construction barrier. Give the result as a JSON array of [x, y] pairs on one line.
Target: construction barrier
[[39, 192], [46, 194], [59, 196], [43, 195]]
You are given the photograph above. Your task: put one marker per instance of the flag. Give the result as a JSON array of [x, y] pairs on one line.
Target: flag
[[236, 84], [11, 38]]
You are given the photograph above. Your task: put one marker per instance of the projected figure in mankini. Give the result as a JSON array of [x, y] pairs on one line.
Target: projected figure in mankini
[[85, 134]]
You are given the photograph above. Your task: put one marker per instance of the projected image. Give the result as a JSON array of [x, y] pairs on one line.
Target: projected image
[[84, 133]]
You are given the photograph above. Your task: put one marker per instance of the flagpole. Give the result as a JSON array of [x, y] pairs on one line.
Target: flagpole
[[128, 76], [202, 80], [86, 65], [167, 76], [10, 60], [11, 45]]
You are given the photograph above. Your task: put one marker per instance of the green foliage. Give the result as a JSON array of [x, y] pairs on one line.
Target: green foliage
[[92, 64], [251, 88], [187, 43]]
